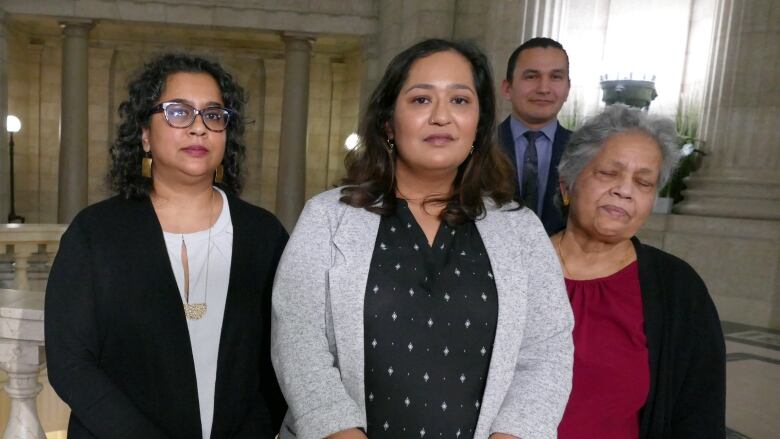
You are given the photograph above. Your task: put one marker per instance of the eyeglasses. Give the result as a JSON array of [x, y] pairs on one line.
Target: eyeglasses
[[181, 115]]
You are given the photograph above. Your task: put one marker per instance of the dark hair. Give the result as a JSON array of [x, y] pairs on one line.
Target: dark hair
[[370, 181], [144, 90], [538, 42]]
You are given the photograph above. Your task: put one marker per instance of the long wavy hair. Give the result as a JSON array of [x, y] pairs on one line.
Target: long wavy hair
[[144, 91], [370, 179]]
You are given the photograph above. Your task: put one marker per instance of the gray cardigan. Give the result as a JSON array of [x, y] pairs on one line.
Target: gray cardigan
[[317, 323]]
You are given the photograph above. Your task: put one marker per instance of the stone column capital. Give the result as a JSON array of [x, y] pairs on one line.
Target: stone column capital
[[76, 27], [298, 40]]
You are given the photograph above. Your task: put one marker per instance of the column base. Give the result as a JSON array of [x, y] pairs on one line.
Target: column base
[[731, 197]]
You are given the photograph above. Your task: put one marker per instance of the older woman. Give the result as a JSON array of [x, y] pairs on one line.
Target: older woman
[[417, 300], [649, 352], [158, 302]]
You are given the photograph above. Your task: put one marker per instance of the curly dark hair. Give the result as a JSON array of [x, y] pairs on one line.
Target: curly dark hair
[[144, 91], [487, 172]]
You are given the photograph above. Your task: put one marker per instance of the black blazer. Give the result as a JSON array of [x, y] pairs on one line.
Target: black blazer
[[117, 343], [687, 354], [551, 215]]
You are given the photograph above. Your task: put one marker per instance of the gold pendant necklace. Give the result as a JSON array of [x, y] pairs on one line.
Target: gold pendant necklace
[[196, 311]]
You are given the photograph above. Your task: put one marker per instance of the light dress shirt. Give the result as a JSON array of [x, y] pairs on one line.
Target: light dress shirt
[[543, 151], [205, 333]]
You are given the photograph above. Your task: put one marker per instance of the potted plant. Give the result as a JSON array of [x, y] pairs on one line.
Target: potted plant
[[691, 155]]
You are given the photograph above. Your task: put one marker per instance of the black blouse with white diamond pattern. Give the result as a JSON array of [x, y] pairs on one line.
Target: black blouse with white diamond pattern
[[430, 321]]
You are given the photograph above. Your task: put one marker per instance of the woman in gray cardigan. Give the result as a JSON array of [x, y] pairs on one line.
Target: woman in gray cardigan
[[419, 299]]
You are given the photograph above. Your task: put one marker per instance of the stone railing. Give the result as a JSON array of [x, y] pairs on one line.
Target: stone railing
[[23, 243], [22, 357]]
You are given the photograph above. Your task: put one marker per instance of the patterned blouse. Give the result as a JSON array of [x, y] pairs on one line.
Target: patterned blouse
[[430, 321]]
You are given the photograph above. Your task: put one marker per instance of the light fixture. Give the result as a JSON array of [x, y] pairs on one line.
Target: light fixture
[[13, 125], [352, 141]]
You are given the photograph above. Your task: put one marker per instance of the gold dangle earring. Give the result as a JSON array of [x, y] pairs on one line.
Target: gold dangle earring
[[219, 174], [146, 165], [566, 200]]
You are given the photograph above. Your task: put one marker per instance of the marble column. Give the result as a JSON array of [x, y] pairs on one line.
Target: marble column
[[4, 165], [291, 178], [740, 177], [73, 168]]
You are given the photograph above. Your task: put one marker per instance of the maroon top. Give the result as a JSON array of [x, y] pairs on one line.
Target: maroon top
[[611, 369]]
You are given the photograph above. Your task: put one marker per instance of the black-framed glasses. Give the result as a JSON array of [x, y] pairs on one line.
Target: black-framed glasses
[[181, 115]]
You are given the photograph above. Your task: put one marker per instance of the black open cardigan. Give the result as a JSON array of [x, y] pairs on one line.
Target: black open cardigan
[[117, 343], [687, 397]]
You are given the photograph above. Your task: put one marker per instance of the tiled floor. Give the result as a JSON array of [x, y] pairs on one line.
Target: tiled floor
[[752, 379], [752, 382]]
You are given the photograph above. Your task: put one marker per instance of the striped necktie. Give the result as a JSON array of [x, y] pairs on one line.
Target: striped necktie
[[530, 187]]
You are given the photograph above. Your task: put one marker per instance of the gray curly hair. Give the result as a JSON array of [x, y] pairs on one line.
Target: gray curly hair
[[586, 142]]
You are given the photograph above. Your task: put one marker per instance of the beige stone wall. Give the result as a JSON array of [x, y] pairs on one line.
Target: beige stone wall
[[404, 22], [274, 79], [34, 97], [3, 110], [356, 17], [349, 114], [334, 97], [34, 73], [497, 27]]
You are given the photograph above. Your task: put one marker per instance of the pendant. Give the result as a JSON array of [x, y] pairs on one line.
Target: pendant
[[195, 311]]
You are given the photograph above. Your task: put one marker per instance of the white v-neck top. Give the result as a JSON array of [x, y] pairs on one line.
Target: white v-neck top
[[205, 333]]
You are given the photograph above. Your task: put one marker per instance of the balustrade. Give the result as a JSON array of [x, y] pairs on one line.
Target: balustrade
[[25, 243], [22, 357]]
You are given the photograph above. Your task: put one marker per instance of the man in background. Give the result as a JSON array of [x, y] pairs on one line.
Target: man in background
[[537, 83]]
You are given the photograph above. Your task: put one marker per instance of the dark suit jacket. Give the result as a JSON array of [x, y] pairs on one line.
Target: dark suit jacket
[[117, 343], [551, 215], [687, 354]]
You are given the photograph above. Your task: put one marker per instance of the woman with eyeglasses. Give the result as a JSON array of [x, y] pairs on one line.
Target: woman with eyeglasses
[[158, 302]]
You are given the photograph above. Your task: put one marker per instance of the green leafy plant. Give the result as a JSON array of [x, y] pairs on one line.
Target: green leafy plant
[[687, 121]]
